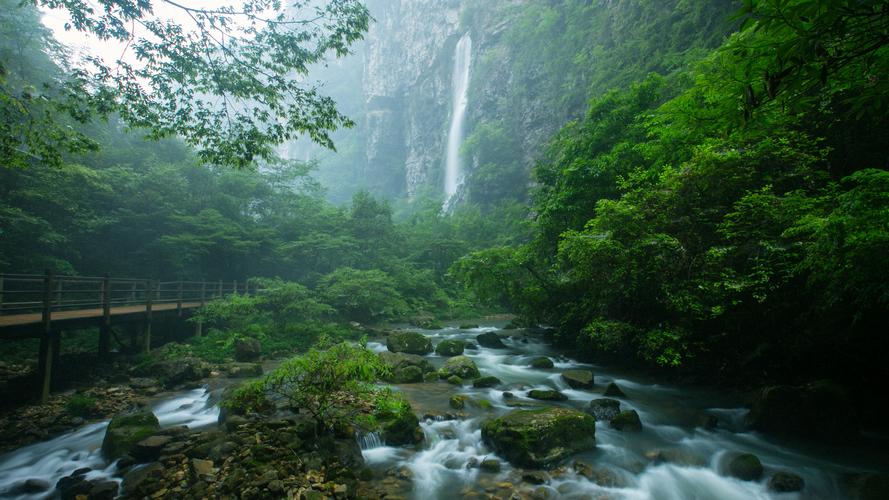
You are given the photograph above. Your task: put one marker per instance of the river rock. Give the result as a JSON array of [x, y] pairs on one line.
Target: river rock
[[614, 391], [604, 409], [458, 401], [449, 347], [484, 382], [547, 395], [247, 349], [578, 379], [461, 366], [405, 368], [677, 456], [137, 477], [149, 449], [468, 326], [408, 342], [746, 467], [540, 438], [627, 420], [490, 465], [399, 429], [535, 477], [541, 363], [489, 339], [785, 482], [820, 409], [126, 430], [244, 370]]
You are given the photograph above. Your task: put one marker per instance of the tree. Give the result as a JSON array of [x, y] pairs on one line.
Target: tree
[[228, 81]]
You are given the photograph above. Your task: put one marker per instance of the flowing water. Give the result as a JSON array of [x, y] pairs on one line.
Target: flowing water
[[622, 461], [441, 466], [459, 99], [59, 457]]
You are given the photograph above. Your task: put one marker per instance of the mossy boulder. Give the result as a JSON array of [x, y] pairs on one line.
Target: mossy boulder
[[820, 409], [614, 391], [408, 342], [126, 430], [541, 363], [468, 326], [458, 401], [746, 467], [460, 366], [627, 420], [405, 368], [489, 339], [484, 382], [547, 395], [247, 349], [400, 427], [578, 379], [540, 438], [455, 380], [449, 347], [604, 409]]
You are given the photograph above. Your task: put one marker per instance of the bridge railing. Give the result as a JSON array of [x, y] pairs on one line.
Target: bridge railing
[[41, 293]]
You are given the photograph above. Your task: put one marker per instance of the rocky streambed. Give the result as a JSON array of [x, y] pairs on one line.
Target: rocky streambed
[[502, 415]]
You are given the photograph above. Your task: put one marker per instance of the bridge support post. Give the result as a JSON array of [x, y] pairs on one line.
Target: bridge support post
[[45, 356], [105, 326], [44, 365], [146, 334]]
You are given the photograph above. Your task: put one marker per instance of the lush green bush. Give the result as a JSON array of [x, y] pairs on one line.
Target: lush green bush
[[81, 405]]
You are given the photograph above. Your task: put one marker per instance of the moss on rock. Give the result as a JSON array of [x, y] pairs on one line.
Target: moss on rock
[[540, 437]]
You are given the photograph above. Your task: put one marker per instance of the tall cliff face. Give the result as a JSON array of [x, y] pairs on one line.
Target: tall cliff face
[[534, 66], [407, 88]]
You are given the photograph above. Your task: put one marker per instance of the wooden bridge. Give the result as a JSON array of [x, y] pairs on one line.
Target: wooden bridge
[[41, 306]]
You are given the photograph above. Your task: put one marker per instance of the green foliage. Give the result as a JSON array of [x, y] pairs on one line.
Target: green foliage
[[81, 405], [248, 398], [334, 386], [223, 81], [366, 296]]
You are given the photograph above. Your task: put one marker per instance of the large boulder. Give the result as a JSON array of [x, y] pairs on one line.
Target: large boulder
[[449, 347], [542, 362], [405, 368], [172, 372], [247, 349], [126, 430], [540, 438], [786, 482], [408, 342], [484, 382], [490, 339], [604, 409], [627, 420], [819, 409], [459, 366], [578, 379], [745, 467], [547, 395]]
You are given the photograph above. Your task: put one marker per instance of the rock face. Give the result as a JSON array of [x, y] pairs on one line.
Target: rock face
[[405, 368], [578, 379], [126, 430], [490, 339], [604, 409], [449, 347], [459, 366], [408, 342], [820, 409], [247, 349], [540, 438]]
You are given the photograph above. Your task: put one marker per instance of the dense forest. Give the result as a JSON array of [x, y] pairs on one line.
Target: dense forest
[[688, 192]]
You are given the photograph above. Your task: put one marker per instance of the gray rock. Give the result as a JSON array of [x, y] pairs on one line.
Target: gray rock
[[247, 349], [490, 340], [578, 379], [604, 409], [627, 420]]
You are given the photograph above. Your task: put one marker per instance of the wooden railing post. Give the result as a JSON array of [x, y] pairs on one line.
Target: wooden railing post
[[179, 299], [203, 292], [220, 289], [1, 293], [133, 293], [146, 337], [105, 326], [235, 287], [45, 358], [59, 292]]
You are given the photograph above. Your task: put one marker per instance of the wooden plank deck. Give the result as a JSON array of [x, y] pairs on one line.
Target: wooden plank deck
[[57, 316]]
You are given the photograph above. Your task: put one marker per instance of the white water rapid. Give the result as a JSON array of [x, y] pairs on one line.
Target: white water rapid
[[460, 98], [52, 460]]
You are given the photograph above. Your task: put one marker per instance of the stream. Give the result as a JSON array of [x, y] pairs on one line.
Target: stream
[[442, 467]]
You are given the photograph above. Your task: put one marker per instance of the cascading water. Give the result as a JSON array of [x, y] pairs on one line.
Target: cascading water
[[460, 98], [54, 459]]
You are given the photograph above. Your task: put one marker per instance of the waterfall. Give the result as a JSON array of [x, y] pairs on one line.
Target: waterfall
[[460, 89]]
